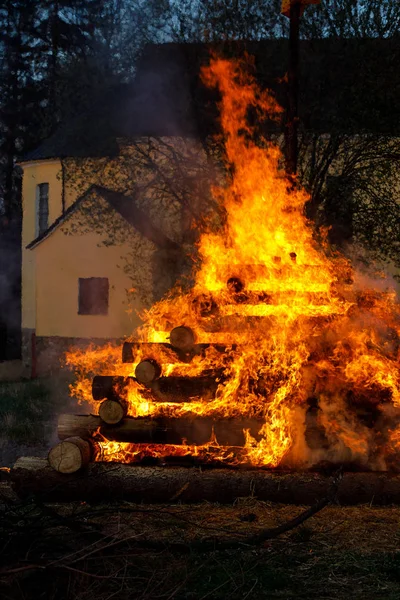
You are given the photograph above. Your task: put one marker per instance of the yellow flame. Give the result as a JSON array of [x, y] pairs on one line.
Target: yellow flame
[[296, 326]]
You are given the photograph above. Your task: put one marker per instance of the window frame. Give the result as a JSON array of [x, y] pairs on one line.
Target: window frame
[[39, 200], [83, 303]]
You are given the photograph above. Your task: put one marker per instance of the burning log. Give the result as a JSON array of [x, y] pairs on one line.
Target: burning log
[[183, 389], [205, 305], [109, 386], [147, 371], [167, 352], [192, 430], [112, 412], [70, 455], [163, 389], [182, 338], [110, 481], [132, 350]]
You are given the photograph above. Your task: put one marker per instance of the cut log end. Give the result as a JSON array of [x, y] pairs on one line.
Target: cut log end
[[112, 412], [70, 455], [182, 338], [147, 371]]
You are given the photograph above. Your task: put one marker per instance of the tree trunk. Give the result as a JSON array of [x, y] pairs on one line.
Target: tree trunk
[[109, 481]]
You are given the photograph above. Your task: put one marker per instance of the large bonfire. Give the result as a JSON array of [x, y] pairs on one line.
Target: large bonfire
[[310, 351]]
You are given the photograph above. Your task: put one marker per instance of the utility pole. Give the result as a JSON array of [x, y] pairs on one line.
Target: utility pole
[[292, 121], [293, 9]]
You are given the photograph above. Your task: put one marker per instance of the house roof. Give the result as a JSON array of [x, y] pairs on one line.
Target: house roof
[[126, 207], [352, 85]]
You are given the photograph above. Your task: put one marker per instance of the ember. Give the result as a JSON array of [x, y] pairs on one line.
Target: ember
[[278, 355]]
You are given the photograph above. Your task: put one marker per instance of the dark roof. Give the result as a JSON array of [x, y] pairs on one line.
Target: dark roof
[[348, 84], [126, 207]]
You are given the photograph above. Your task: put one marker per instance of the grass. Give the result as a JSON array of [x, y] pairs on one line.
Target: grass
[[342, 553], [27, 409]]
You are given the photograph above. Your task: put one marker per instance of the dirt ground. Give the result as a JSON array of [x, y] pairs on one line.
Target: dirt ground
[[132, 551]]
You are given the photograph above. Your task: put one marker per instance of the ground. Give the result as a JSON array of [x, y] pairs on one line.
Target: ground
[[161, 552], [28, 416], [83, 552]]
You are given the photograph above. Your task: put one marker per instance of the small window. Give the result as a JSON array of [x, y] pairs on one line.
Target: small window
[[43, 207], [93, 296]]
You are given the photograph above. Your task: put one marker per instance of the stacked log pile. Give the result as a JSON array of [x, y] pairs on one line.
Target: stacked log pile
[[78, 433]]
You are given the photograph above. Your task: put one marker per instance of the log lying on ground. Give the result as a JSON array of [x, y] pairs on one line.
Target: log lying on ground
[[70, 455], [143, 430], [166, 353], [102, 482]]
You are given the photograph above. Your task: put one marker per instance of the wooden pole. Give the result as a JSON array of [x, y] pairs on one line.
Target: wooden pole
[[293, 90]]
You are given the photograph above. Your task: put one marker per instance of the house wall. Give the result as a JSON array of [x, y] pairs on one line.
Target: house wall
[[34, 174], [50, 273], [61, 260], [37, 172]]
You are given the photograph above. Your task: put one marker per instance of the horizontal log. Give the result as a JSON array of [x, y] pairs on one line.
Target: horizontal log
[[164, 389], [183, 389], [166, 353], [109, 386], [143, 430], [109, 481]]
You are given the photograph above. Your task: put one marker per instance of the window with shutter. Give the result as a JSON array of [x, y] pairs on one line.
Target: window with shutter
[[93, 296]]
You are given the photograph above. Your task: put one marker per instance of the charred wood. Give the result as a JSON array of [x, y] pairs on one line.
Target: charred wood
[[164, 389], [147, 371], [166, 353], [182, 338], [109, 386], [183, 389], [144, 430]]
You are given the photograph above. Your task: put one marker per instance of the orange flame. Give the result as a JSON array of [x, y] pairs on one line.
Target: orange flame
[[296, 322]]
